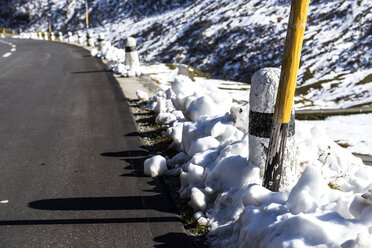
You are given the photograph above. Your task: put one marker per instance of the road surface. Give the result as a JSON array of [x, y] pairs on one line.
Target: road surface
[[70, 175]]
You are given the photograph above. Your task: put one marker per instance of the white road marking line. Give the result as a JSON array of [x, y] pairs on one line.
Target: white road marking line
[[7, 55], [13, 50], [4, 201], [8, 43]]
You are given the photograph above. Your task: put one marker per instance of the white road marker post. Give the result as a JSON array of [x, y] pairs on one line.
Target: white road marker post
[[60, 36], [131, 56], [70, 37], [264, 87], [101, 39]]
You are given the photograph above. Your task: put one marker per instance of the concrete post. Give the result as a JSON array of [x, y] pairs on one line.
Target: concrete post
[[60, 36], [264, 88], [70, 38], [101, 39], [90, 40], [52, 37], [131, 55], [80, 38]]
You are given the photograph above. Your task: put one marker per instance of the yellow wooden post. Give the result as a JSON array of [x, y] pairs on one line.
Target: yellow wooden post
[[87, 20], [286, 90]]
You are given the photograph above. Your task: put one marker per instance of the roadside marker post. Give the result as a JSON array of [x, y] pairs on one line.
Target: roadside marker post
[[285, 95], [87, 21]]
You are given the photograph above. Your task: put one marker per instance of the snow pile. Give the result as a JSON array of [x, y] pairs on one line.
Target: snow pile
[[155, 166], [330, 205], [112, 53], [143, 96], [194, 101], [116, 58]]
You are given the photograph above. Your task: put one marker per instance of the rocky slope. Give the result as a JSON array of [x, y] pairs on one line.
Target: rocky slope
[[228, 39]]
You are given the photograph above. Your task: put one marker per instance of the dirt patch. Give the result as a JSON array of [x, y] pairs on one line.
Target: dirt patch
[[156, 143]]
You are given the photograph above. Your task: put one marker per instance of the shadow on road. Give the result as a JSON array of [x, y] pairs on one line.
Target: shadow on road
[[103, 203], [172, 240], [135, 158], [87, 221], [135, 153], [83, 72]]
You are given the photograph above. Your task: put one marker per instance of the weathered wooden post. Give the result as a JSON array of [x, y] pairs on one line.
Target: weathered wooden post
[[285, 95], [87, 21]]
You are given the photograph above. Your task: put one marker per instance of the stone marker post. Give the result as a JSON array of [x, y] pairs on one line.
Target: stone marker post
[[90, 40], [70, 37], [264, 87], [101, 39], [60, 36], [80, 38], [131, 55]]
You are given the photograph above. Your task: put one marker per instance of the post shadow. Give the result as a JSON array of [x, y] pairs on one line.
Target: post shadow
[[171, 240], [153, 202], [135, 158], [87, 221]]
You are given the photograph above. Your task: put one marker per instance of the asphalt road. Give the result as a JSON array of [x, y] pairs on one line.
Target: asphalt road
[[70, 170]]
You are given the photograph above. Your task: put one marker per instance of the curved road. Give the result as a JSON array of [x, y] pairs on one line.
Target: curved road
[[70, 170]]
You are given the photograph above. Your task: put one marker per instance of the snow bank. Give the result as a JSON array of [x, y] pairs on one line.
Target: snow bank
[[354, 131], [330, 204], [116, 58]]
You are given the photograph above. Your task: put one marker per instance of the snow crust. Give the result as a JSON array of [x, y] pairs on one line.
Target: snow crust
[[354, 131], [329, 204]]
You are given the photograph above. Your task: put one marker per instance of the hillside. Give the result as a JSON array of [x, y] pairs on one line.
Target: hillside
[[229, 39]]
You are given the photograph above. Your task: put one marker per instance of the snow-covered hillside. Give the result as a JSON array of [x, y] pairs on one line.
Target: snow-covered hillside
[[229, 39]]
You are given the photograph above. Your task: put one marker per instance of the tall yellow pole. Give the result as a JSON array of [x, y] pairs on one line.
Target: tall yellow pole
[[87, 20], [86, 14], [286, 90]]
